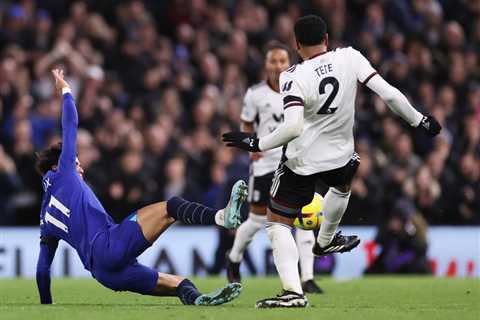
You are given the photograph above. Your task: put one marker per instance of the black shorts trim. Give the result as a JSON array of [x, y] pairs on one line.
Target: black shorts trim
[[276, 206], [281, 213]]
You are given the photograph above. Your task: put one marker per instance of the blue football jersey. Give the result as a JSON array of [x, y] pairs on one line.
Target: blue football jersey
[[70, 210]]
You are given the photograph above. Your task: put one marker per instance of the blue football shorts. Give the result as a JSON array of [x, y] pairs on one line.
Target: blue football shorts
[[114, 258]]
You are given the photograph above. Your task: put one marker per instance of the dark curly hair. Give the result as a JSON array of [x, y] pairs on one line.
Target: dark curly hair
[[310, 30], [47, 158], [275, 44]]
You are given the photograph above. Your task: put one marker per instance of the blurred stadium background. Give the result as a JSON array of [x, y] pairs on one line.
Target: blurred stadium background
[[157, 82]]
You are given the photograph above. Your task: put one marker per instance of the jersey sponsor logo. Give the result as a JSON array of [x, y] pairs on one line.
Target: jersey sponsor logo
[[287, 86]]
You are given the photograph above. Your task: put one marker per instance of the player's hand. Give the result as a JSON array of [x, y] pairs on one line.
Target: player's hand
[[60, 82], [430, 125], [242, 140]]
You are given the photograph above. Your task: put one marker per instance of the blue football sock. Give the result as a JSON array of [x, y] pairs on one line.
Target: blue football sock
[[190, 212], [187, 292]]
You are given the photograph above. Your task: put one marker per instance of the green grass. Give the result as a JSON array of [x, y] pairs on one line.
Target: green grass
[[368, 298]]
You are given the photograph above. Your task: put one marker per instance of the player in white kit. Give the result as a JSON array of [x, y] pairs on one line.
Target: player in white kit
[[262, 113], [317, 134]]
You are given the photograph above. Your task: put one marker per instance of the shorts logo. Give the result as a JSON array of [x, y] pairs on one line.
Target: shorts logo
[[256, 195]]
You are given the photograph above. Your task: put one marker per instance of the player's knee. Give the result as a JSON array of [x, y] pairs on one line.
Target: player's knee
[[274, 228], [170, 280]]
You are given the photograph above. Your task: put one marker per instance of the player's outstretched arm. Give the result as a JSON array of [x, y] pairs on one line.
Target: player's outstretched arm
[[291, 128], [69, 123], [48, 247], [400, 105]]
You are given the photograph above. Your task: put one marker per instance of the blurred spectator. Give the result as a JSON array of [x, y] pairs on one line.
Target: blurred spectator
[[363, 207], [426, 192], [237, 169], [468, 191], [130, 186], [403, 242], [10, 183], [176, 182]]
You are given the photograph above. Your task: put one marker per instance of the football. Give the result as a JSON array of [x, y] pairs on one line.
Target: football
[[310, 218]]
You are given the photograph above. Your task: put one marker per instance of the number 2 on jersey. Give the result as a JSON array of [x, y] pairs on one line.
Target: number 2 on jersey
[[325, 109]]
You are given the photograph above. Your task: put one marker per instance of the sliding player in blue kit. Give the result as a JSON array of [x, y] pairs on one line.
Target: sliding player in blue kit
[[71, 212]]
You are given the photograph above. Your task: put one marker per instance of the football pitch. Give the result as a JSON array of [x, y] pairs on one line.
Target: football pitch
[[367, 298]]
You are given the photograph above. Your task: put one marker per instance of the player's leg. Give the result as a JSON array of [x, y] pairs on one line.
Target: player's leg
[[195, 213], [289, 193], [120, 244], [305, 240], [257, 197], [135, 277], [154, 219], [187, 292], [334, 205]]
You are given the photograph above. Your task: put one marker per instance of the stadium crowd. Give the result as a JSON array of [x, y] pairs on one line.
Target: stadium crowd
[[156, 82]]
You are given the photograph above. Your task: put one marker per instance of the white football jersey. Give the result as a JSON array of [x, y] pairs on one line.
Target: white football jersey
[[327, 85], [264, 107]]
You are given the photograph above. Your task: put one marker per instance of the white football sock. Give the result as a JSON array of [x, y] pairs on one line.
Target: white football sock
[[245, 234], [334, 205], [285, 256], [305, 240]]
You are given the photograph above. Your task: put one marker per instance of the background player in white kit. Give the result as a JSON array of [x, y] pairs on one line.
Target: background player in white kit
[[262, 113], [319, 100]]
